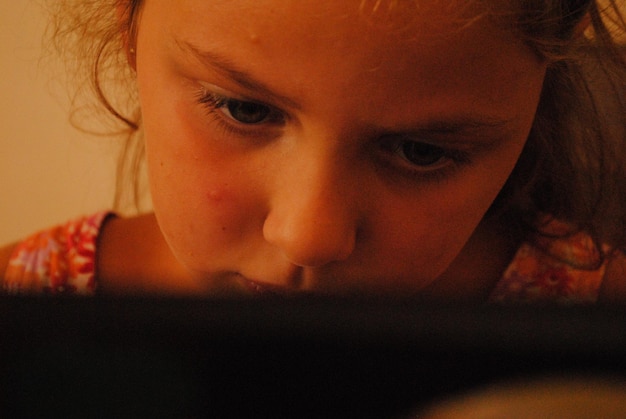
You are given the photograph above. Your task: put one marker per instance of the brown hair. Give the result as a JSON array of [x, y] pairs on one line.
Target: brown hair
[[572, 165], [91, 37]]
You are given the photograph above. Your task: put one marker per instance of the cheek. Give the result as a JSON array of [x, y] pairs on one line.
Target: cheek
[[429, 231], [210, 215], [201, 197], [431, 236], [196, 206]]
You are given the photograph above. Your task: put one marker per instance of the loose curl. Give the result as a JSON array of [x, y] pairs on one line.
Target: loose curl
[[572, 167], [93, 38]]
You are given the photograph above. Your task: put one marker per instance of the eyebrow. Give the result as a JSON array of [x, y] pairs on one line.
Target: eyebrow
[[239, 76], [455, 125]]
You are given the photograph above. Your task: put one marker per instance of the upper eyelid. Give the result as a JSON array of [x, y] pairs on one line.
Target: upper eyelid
[[209, 89], [209, 93]]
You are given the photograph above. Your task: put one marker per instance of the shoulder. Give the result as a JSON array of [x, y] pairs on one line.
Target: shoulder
[[54, 260]]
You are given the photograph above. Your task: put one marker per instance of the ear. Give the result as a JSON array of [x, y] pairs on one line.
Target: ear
[[125, 18]]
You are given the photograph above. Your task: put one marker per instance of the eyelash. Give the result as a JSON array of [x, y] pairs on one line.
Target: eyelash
[[392, 145], [215, 103]]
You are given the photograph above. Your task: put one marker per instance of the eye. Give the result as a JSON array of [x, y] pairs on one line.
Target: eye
[[244, 112], [421, 154], [422, 160]]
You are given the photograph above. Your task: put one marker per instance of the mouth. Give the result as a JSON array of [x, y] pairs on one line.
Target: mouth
[[266, 289], [291, 285]]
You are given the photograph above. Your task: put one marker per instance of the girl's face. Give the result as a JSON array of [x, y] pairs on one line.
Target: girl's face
[[328, 145]]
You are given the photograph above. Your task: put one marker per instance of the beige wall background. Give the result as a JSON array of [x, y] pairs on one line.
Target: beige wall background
[[49, 172]]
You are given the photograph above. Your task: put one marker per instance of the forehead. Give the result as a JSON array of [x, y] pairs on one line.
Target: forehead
[[413, 51], [312, 25], [395, 16]]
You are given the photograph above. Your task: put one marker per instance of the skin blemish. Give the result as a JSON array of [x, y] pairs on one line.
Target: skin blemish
[[217, 195]]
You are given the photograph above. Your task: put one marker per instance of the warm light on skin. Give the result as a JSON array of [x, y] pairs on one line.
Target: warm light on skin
[[316, 198]]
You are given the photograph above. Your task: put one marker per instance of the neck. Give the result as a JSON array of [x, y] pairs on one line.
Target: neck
[[133, 258]]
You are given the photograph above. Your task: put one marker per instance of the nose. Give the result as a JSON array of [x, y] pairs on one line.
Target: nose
[[313, 217]]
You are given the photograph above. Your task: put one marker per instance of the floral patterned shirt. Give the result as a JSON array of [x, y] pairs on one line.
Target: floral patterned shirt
[[62, 260], [538, 276], [562, 270]]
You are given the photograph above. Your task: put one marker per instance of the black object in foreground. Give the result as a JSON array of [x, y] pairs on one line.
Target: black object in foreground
[[296, 357]]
